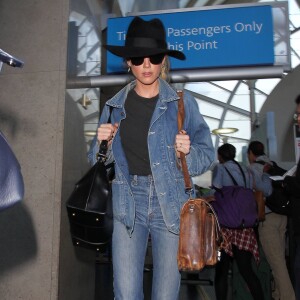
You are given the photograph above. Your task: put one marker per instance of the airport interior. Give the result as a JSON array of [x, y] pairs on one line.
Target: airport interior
[[49, 112]]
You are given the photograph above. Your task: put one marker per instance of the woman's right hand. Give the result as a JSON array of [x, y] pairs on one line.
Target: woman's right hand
[[107, 132]]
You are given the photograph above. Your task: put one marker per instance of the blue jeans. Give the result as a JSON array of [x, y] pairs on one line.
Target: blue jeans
[[129, 251]]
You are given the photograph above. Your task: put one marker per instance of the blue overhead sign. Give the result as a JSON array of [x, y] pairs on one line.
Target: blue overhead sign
[[229, 37]]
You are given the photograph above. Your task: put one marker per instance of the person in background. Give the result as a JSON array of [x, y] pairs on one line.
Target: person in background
[[242, 243], [144, 142], [292, 184], [272, 230]]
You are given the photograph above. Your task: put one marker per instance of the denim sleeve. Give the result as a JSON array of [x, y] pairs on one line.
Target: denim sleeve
[[94, 148], [202, 152]]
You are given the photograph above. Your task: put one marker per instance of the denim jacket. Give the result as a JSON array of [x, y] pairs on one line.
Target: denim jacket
[[168, 178]]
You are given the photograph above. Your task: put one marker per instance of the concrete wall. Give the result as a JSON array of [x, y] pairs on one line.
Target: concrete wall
[[37, 259], [281, 101]]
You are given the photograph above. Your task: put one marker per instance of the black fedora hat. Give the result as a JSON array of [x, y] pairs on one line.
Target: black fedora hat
[[144, 38]]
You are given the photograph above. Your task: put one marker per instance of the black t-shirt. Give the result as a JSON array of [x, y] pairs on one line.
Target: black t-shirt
[[134, 132]]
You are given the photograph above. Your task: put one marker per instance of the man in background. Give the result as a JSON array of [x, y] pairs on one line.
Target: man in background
[[273, 229]]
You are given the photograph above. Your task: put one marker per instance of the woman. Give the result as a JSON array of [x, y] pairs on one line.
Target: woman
[[241, 243], [148, 189]]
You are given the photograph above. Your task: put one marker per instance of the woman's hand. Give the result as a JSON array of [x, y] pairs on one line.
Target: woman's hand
[[107, 132], [182, 143]]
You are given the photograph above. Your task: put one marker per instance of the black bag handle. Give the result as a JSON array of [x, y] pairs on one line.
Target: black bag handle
[[104, 144]]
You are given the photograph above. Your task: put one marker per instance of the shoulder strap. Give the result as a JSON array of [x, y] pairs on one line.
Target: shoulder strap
[[232, 178], [230, 175], [180, 121]]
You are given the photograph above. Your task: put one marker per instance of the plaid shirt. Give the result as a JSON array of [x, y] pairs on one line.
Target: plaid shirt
[[244, 239]]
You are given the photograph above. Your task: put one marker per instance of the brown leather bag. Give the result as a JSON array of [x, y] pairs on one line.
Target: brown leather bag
[[200, 236]]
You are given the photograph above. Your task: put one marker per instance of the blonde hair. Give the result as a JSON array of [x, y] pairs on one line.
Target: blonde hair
[[165, 68]]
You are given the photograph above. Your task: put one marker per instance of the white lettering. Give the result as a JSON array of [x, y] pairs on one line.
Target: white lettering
[[175, 46], [259, 27], [202, 45], [207, 31], [254, 27], [121, 35]]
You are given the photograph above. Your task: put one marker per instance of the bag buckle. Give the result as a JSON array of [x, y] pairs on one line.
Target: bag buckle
[[189, 191]]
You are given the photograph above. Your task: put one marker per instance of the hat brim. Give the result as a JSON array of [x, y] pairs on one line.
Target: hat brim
[[127, 52]]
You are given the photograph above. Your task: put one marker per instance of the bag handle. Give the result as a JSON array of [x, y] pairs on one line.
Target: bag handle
[[104, 144], [180, 121]]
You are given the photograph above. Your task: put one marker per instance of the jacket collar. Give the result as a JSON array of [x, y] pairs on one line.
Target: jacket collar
[[166, 94]]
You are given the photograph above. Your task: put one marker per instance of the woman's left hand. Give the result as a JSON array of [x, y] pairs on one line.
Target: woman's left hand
[[182, 143]]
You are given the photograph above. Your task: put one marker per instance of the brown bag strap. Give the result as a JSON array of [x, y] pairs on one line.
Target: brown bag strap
[[180, 120], [187, 180]]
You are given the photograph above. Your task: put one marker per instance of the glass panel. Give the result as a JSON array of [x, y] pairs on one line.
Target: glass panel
[[294, 14], [241, 101], [201, 3], [266, 85], [295, 55], [208, 90], [183, 3], [241, 122], [295, 37], [295, 61], [209, 109], [295, 41], [259, 101], [212, 123], [229, 85]]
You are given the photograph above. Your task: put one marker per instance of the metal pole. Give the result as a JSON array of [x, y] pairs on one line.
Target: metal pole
[[251, 85], [181, 76]]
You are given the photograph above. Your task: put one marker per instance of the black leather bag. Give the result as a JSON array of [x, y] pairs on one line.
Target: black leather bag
[[89, 206]]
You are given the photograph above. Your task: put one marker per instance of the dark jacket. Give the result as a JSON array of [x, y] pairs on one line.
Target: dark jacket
[[292, 184]]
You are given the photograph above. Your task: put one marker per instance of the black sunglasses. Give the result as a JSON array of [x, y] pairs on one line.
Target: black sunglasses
[[154, 59]]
